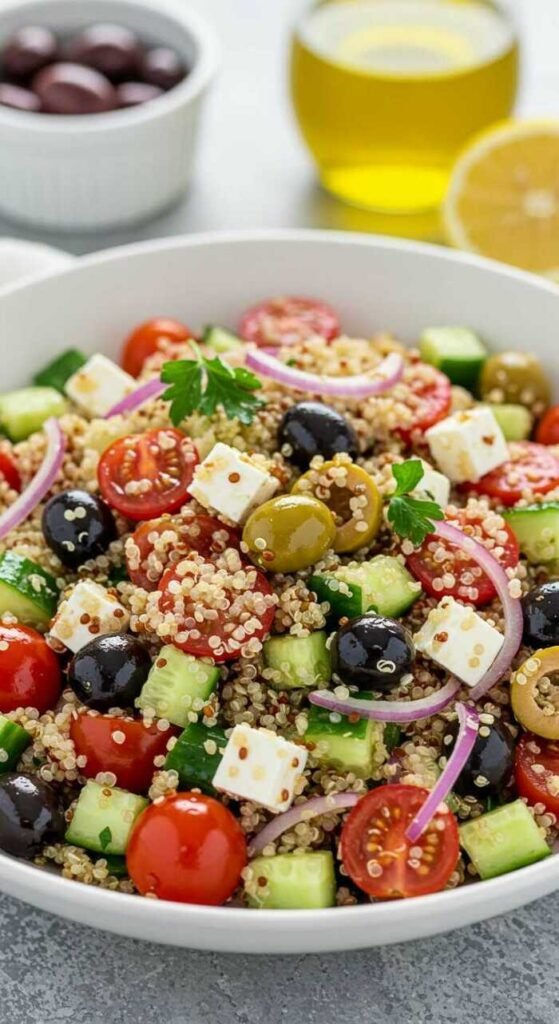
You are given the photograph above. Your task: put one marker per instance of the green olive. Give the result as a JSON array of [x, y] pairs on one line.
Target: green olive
[[289, 533], [515, 377]]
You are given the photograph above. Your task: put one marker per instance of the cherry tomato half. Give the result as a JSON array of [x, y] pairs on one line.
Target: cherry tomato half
[[147, 338], [131, 758], [174, 536], [377, 855], [144, 475], [186, 590], [288, 321], [188, 848], [536, 785], [531, 467], [430, 399], [29, 670], [9, 471], [548, 428], [471, 583]]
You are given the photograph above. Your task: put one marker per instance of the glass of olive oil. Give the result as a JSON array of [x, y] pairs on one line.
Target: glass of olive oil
[[386, 92]]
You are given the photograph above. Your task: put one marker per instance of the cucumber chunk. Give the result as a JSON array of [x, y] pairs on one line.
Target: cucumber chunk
[[60, 370], [23, 412], [220, 339], [13, 741], [104, 818], [536, 528], [503, 840], [27, 590], [516, 421], [383, 585], [292, 881], [194, 764], [456, 351], [349, 746], [299, 660], [177, 679]]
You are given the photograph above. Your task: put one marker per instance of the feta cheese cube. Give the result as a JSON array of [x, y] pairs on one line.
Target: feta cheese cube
[[99, 385], [458, 639], [89, 611], [468, 445], [231, 483], [433, 485], [261, 766]]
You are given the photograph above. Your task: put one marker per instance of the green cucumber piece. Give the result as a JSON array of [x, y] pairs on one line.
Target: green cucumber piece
[[13, 741], [456, 351], [190, 759], [536, 528], [60, 370], [23, 412], [299, 660], [177, 679], [516, 421], [104, 818], [27, 590], [392, 736], [220, 339], [340, 743], [503, 840], [383, 585], [293, 881]]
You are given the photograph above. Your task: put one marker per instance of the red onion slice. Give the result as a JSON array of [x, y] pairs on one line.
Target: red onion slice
[[41, 482], [467, 735], [386, 375], [302, 812], [511, 605], [151, 389], [388, 710]]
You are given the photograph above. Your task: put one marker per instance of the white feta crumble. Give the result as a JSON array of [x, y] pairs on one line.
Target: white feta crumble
[[99, 385], [468, 444], [231, 483], [89, 611], [261, 766], [459, 640]]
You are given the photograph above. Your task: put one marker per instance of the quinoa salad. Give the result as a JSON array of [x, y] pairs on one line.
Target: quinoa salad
[[279, 613]]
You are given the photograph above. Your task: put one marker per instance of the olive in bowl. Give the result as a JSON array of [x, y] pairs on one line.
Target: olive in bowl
[[372, 653], [109, 671], [311, 428], [77, 526], [30, 815]]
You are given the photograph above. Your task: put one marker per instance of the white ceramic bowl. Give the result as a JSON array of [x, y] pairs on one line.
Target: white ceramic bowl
[[98, 171], [375, 284]]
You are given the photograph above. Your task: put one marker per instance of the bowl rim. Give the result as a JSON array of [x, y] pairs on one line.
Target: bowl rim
[[208, 54], [30, 881]]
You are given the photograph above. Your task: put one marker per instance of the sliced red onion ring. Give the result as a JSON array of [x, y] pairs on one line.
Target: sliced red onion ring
[[467, 735], [302, 812], [511, 605], [41, 482], [388, 710], [386, 375], [151, 389]]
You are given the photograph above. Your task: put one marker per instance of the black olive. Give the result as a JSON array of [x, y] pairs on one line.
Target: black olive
[[78, 526], [541, 615], [489, 767], [372, 653], [30, 815], [109, 671], [311, 428]]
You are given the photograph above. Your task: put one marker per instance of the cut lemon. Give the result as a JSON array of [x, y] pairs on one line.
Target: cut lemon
[[503, 198]]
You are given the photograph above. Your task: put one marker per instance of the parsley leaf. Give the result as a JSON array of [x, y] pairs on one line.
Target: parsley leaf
[[105, 837], [411, 518], [201, 385]]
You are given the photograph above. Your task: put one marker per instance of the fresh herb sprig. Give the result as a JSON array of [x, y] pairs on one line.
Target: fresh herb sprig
[[201, 385], [411, 518]]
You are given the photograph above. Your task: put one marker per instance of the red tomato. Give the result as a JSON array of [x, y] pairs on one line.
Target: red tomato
[[131, 760], [9, 471], [187, 532], [288, 321], [148, 338], [429, 401], [29, 670], [530, 467], [469, 578], [377, 855], [535, 785], [548, 428], [144, 475], [184, 589], [188, 848]]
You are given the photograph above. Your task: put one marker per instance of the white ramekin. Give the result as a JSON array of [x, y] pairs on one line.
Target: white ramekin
[[102, 170]]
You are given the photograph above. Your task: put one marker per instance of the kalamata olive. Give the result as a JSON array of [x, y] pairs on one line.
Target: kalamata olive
[[113, 50], [109, 671], [488, 769], [132, 94], [18, 98], [72, 89], [311, 428], [372, 652], [27, 51], [541, 615], [77, 526], [163, 67], [30, 815]]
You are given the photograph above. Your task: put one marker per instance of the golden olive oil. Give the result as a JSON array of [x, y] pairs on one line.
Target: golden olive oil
[[387, 92]]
